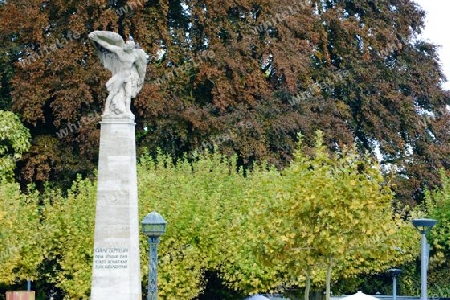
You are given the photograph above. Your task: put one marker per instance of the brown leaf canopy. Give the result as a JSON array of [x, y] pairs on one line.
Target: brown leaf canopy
[[241, 75]]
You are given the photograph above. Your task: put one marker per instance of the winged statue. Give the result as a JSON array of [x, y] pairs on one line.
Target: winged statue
[[128, 65]]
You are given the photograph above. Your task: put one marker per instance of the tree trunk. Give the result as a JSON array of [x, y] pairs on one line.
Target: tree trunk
[[308, 284], [328, 288]]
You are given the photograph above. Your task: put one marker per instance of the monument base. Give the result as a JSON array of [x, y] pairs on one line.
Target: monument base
[[116, 268]]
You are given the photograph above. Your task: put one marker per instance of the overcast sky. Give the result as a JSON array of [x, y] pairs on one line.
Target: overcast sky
[[437, 30]]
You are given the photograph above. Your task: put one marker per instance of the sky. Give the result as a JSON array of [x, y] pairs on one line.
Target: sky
[[437, 30]]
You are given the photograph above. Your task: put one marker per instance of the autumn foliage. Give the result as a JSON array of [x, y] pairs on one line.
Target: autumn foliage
[[246, 76]]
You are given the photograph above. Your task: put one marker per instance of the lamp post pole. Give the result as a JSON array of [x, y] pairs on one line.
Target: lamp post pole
[[394, 288], [423, 267], [152, 290], [153, 226], [394, 273], [423, 226]]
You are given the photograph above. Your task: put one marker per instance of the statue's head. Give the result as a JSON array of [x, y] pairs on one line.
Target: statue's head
[[130, 45]]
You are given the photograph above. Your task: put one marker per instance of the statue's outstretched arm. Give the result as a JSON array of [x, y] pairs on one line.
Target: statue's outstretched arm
[[105, 41], [110, 49], [107, 38]]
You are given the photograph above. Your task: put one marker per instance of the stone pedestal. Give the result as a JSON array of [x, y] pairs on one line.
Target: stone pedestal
[[116, 268]]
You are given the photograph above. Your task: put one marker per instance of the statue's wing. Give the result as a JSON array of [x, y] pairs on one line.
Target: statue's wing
[[108, 45], [141, 65]]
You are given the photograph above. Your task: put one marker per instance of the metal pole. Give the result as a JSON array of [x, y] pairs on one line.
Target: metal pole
[[423, 268], [394, 287], [152, 293], [28, 285]]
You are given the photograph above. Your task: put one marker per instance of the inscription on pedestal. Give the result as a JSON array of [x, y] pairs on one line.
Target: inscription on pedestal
[[110, 258], [111, 197]]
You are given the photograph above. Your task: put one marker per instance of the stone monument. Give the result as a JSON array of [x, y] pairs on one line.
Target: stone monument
[[116, 266]]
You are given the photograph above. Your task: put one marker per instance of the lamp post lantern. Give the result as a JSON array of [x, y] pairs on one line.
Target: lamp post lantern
[[394, 274], [423, 226], [153, 226]]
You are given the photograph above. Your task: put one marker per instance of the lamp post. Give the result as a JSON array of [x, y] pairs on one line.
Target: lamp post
[[153, 226], [423, 226], [394, 274]]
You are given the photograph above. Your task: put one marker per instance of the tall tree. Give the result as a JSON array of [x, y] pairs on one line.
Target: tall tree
[[333, 215], [244, 75]]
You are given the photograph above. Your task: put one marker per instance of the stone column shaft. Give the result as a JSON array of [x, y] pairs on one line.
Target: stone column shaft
[[116, 267]]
